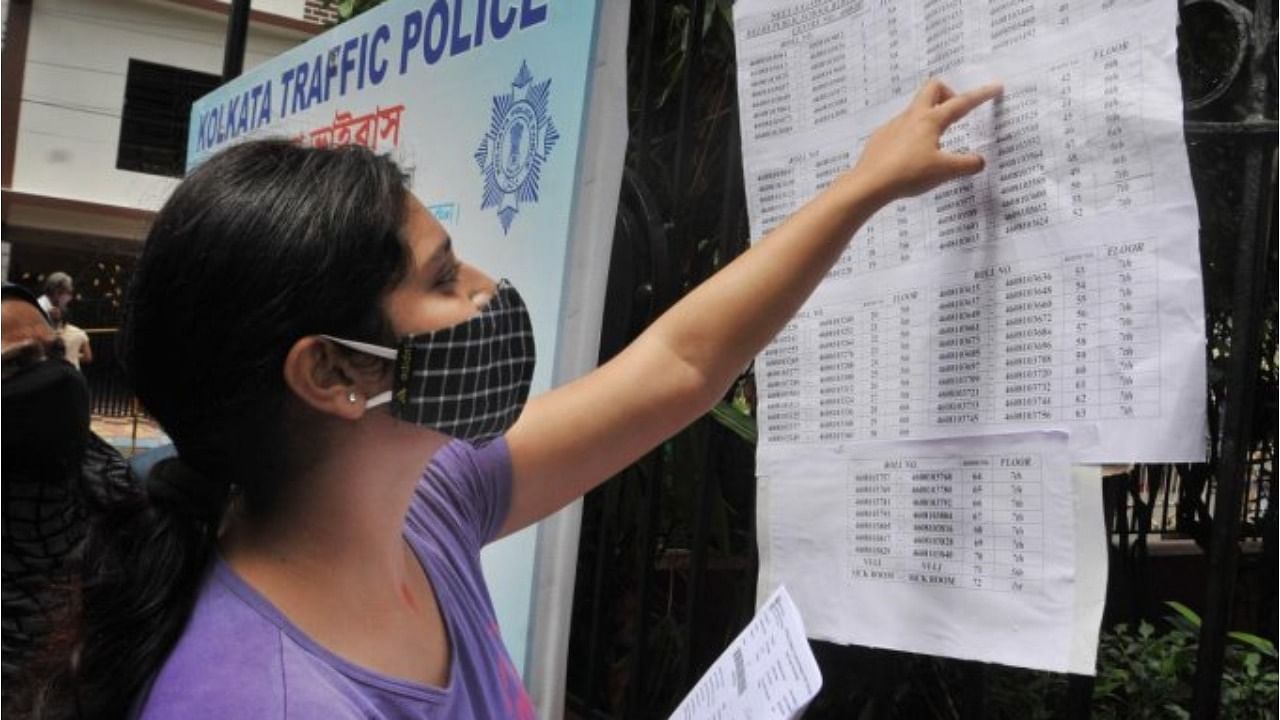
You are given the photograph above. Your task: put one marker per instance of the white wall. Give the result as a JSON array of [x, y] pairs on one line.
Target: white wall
[[288, 8], [78, 55]]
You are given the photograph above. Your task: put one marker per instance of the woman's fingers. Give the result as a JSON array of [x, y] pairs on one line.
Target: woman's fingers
[[953, 109], [903, 156], [960, 105], [944, 93], [963, 163], [933, 92]]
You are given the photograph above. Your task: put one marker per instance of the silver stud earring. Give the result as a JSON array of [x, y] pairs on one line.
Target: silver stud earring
[[351, 396]]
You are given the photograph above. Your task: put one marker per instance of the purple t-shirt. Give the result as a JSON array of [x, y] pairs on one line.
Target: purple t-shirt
[[240, 657]]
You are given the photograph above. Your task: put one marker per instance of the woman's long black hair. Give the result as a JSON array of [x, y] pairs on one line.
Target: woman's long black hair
[[263, 244]]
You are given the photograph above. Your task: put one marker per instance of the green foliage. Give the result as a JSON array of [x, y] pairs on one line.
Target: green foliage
[[348, 9], [736, 415], [1144, 673], [717, 37]]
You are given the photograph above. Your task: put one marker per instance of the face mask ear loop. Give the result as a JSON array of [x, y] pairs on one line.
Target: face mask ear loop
[[375, 350], [381, 398]]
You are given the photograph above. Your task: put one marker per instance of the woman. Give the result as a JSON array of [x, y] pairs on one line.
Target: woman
[[295, 560], [57, 475]]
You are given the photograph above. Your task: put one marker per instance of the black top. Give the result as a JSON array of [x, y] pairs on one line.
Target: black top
[[41, 529]]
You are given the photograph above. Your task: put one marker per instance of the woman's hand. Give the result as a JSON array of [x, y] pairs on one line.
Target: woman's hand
[[903, 158]]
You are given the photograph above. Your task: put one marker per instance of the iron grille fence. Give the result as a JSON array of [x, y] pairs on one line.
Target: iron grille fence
[[109, 396]]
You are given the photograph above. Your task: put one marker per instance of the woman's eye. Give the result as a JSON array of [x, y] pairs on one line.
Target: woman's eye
[[448, 276]]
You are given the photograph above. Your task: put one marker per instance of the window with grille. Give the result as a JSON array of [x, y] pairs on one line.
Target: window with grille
[[157, 110]]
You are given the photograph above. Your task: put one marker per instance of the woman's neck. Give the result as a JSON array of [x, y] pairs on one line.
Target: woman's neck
[[337, 543], [335, 560]]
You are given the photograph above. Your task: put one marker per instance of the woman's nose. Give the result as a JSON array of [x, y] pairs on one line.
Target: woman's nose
[[478, 286]]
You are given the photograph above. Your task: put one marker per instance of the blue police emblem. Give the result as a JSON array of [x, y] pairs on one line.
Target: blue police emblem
[[521, 135]]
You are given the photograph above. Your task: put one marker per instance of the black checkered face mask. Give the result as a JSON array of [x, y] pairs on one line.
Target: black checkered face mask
[[469, 381]]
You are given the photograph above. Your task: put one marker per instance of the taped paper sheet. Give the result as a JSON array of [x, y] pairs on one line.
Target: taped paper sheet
[[989, 548], [1058, 288], [768, 672]]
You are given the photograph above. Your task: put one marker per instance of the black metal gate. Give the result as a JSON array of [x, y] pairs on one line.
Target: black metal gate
[[667, 565]]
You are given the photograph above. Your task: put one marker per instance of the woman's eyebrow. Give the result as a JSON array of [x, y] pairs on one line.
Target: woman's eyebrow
[[442, 252]]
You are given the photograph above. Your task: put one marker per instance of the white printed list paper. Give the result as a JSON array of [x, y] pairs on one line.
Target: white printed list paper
[[1058, 288], [768, 672], [985, 548]]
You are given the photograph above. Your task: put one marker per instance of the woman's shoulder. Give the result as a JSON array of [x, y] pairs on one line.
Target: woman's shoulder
[[232, 660], [464, 491], [227, 663]]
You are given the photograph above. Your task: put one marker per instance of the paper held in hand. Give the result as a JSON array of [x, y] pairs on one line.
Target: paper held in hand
[[767, 672]]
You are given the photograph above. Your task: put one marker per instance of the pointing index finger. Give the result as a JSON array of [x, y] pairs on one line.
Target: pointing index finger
[[960, 105]]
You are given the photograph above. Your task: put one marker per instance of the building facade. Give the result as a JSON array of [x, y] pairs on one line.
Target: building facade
[[96, 96]]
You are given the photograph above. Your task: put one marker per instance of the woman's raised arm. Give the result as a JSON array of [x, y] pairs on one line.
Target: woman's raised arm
[[572, 438]]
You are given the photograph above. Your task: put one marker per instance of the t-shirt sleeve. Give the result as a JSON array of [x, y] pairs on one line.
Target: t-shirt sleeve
[[468, 489]]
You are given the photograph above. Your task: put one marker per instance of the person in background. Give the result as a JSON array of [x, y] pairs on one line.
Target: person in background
[[56, 475], [347, 399], [74, 340], [58, 292]]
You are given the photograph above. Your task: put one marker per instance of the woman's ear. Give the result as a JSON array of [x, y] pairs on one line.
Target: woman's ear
[[325, 379]]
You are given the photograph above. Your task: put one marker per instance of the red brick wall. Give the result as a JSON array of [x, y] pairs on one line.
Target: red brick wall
[[320, 11]]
